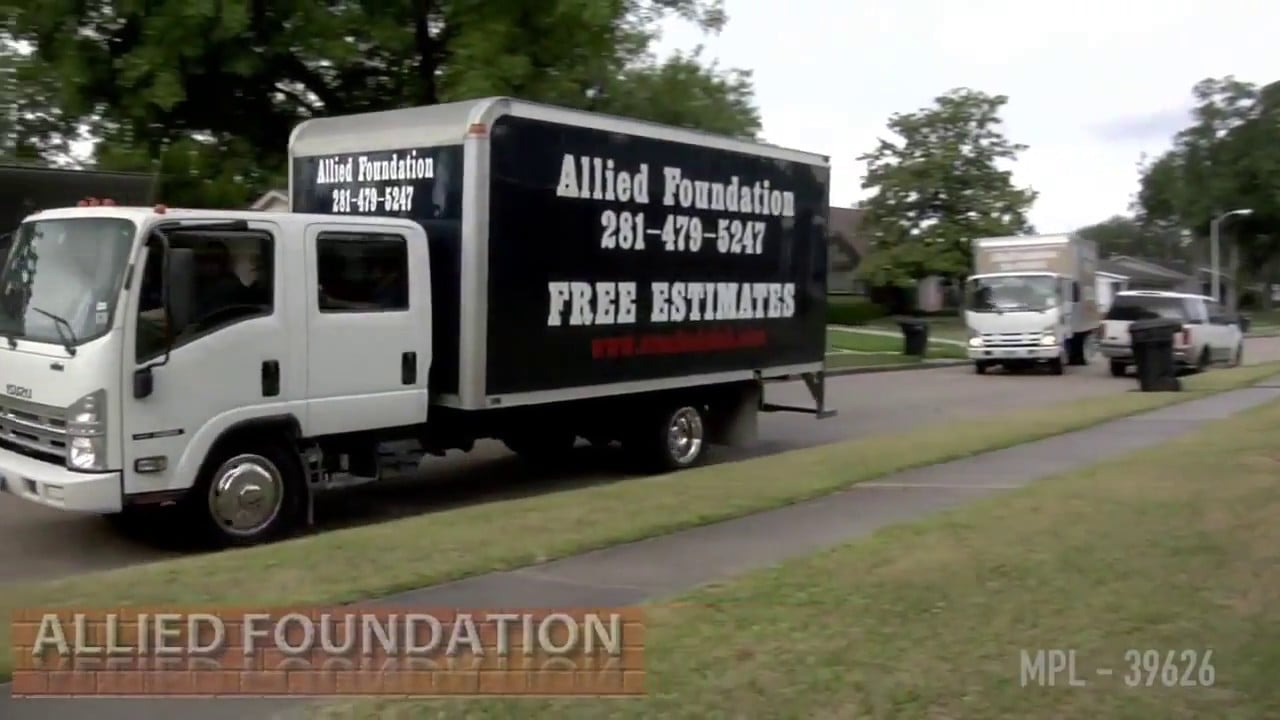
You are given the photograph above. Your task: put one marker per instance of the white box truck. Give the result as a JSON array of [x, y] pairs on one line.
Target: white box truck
[[1032, 300], [483, 269]]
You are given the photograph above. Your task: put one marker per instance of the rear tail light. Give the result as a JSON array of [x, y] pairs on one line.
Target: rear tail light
[[1184, 337]]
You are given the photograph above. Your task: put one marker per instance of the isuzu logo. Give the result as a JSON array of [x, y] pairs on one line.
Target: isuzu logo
[[18, 391]]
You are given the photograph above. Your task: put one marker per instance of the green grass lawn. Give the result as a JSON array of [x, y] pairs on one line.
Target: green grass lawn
[[851, 360], [875, 343], [1171, 551], [945, 327], [376, 560]]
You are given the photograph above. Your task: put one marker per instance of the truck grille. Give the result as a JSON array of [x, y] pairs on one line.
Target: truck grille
[[1010, 339], [38, 431]]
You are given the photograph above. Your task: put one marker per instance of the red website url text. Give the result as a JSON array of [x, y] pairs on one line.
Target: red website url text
[[682, 341]]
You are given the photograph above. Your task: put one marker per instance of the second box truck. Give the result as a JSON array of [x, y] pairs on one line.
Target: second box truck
[[1032, 301]]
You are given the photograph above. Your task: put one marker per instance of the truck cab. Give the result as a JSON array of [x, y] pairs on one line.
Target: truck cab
[[1019, 318], [155, 356]]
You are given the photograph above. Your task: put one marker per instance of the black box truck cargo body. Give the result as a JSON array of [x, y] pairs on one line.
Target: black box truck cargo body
[[583, 260]]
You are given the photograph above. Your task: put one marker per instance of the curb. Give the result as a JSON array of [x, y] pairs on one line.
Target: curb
[[896, 367]]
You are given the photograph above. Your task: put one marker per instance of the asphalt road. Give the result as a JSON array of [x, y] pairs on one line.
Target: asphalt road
[[36, 543]]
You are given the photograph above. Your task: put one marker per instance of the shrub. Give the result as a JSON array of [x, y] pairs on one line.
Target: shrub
[[846, 310]]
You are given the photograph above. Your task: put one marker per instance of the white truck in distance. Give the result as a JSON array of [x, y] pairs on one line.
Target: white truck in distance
[[1031, 300], [236, 363]]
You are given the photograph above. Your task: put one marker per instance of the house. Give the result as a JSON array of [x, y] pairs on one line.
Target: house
[[1124, 272], [272, 201], [846, 246], [1107, 284], [1147, 274]]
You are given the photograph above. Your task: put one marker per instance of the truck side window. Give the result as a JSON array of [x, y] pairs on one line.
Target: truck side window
[[363, 272], [234, 282]]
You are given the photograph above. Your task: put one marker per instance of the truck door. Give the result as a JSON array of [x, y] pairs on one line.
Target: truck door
[[239, 358], [368, 327]]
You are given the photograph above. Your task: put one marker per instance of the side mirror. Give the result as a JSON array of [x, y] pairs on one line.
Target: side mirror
[[179, 286]]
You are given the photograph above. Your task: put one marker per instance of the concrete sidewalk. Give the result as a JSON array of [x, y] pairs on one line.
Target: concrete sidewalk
[[664, 566]]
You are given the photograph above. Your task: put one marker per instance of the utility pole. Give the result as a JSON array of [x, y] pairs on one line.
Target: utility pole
[[1214, 252]]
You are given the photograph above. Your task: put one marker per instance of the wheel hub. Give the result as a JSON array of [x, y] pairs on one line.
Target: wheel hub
[[246, 495], [684, 435]]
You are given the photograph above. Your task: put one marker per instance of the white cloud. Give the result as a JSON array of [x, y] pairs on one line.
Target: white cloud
[[1092, 84]]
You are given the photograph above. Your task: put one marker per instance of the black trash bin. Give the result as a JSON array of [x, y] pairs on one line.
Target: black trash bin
[[915, 336], [1153, 354], [1245, 322]]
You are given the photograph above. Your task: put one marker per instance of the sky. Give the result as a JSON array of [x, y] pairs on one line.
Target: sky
[[1092, 84]]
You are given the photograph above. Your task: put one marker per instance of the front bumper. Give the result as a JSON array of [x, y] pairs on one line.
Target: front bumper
[[1018, 352], [57, 487]]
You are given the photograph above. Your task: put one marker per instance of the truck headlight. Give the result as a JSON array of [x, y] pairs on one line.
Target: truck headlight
[[975, 341], [87, 432], [1048, 340]]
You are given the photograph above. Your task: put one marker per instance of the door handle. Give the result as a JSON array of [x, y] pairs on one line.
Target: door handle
[[409, 368], [270, 378]]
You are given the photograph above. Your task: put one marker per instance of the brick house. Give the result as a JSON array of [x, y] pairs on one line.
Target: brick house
[[846, 246]]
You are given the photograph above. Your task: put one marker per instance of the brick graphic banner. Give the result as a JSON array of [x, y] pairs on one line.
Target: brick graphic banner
[[209, 652]]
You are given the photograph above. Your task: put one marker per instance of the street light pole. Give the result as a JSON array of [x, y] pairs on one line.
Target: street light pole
[[1216, 279]]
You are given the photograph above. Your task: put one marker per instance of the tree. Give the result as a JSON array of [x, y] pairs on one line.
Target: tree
[[1124, 235], [1226, 159], [210, 89], [31, 125], [939, 185]]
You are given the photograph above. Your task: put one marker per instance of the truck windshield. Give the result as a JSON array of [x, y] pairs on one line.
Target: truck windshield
[[68, 269], [1013, 293]]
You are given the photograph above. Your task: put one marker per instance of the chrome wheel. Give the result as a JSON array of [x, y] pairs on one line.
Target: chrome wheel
[[246, 495], [684, 435]]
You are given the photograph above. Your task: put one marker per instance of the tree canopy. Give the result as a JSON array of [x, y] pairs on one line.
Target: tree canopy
[[937, 186], [210, 89], [1226, 159], [1125, 235]]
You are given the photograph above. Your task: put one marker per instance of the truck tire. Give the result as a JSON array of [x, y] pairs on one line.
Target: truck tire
[[980, 367], [248, 493], [1118, 369], [1056, 366], [1204, 362], [673, 439]]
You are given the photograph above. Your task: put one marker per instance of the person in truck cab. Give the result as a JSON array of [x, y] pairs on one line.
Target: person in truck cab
[[390, 289], [386, 291], [217, 284]]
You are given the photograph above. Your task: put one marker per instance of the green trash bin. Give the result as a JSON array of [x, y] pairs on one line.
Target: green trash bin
[[1152, 342], [915, 336]]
